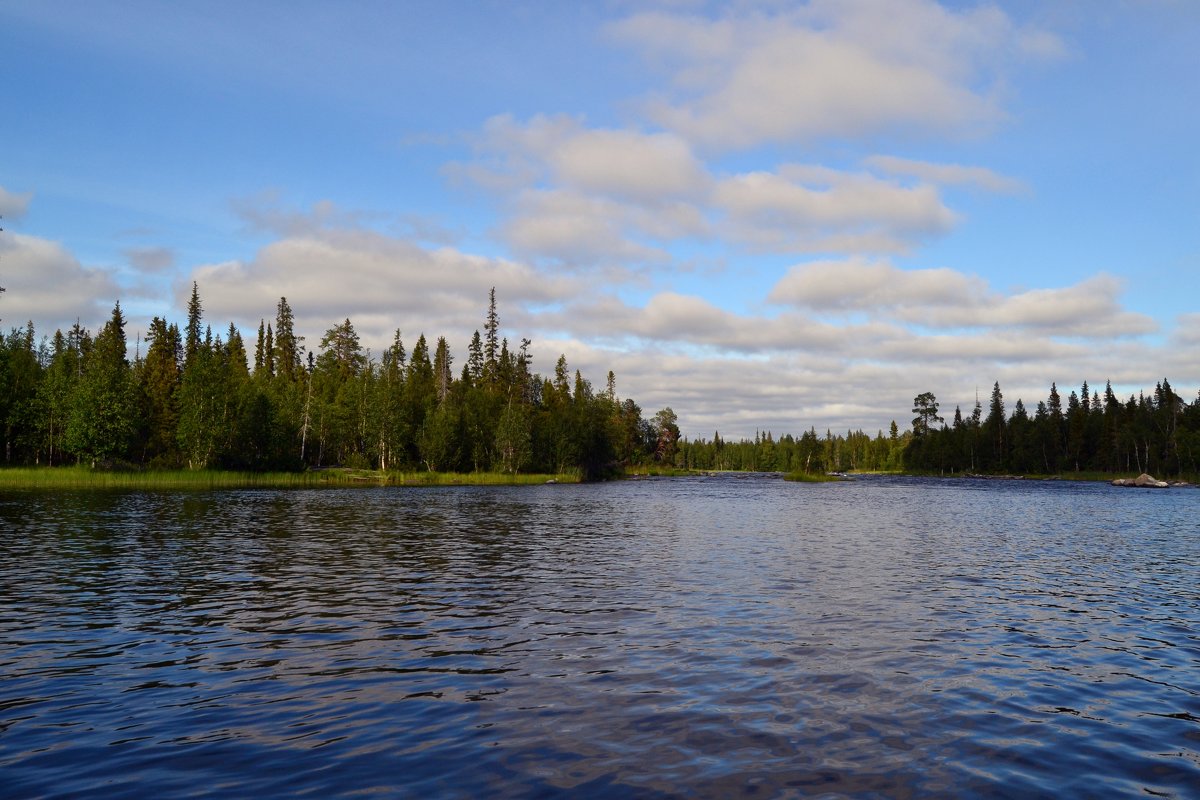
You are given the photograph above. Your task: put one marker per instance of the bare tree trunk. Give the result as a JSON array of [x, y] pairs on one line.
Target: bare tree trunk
[[304, 427]]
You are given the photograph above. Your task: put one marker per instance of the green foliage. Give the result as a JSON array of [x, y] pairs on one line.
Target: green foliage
[[103, 417], [1157, 434], [514, 441], [81, 400], [810, 454], [193, 401], [812, 477]]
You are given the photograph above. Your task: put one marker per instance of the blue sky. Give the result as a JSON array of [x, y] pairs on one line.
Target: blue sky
[[767, 216]]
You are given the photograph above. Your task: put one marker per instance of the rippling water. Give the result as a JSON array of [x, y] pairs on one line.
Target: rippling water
[[721, 637]]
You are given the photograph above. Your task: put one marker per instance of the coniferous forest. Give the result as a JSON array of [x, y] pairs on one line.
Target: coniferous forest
[[191, 398], [1092, 432], [194, 399]]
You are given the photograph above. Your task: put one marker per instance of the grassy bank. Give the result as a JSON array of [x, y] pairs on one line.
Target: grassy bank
[[1098, 477], [659, 471], [82, 477], [812, 477]]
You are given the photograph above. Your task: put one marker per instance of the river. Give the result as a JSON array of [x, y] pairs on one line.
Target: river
[[728, 636]]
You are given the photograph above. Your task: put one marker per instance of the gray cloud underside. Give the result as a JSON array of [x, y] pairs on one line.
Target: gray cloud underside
[[46, 284], [944, 298], [720, 370], [583, 197], [14, 205]]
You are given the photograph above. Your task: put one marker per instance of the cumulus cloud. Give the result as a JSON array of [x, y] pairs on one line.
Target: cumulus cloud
[[859, 284], [47, 284], [13, 205], [681, 322], [944, 298], [829, 69], [630, 165], [1187, 331], [576, 229], [818, 209], [947, 174], [583, 196], [380, 283]]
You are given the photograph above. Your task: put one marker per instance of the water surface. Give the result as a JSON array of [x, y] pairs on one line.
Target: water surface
[[717, 637]]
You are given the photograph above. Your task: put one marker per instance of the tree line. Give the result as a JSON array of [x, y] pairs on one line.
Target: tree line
[[811, 452], [1093, 432], [200, 400]]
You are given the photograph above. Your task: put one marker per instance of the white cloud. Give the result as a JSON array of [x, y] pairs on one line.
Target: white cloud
[[829, 69], [45, 283], [13, 205], [582, 197], [630, 165], [1187, 331], [578, 230], [947, 174], [585, 197], [944, 298], [859, 285], [380, 283], [803, 208]]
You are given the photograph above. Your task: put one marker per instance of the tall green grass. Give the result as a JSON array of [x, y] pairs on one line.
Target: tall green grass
[[811, 477], [83, 477]]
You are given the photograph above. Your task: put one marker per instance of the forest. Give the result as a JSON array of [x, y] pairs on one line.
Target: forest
[[1094, 432], [198, 400]]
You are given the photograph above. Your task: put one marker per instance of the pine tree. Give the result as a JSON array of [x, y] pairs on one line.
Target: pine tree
[[289, 362], [994, 427], [259, 361], [160, 385], [474, 365], [103, 417], [192, 331], [54, 396], [925, 406]]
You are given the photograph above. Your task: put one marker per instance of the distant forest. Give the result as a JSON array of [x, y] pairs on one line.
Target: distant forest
[[198, 400], [1094, 432]]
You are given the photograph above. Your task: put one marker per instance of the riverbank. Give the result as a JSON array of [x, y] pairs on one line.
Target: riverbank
[[82, 477]]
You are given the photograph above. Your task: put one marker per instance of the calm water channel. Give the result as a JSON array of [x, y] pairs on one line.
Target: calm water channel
[[707, 637]]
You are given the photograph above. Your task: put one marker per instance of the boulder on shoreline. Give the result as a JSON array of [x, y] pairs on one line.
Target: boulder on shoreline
[[1143, 481]]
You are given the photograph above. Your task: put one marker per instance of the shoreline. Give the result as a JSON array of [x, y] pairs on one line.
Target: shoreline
[[82, 477]]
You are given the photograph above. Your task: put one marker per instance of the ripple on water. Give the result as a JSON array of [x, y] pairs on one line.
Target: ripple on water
[[702, 637]]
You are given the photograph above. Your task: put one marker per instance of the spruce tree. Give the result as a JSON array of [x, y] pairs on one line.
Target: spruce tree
[[289, 362], [160, 385], [192, 331], [103, 419], [474, 365]]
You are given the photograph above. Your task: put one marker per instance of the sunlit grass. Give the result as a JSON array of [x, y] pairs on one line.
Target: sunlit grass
[[659, 471], [83, 477], [812, 477]]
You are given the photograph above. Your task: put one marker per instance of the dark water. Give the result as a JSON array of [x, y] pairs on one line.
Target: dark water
[[722, 637]]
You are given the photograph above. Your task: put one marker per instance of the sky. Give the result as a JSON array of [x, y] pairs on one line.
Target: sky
[[768, 216]]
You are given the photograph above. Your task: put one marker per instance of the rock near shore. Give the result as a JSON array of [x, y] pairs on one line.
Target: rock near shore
[[1143, 481]]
